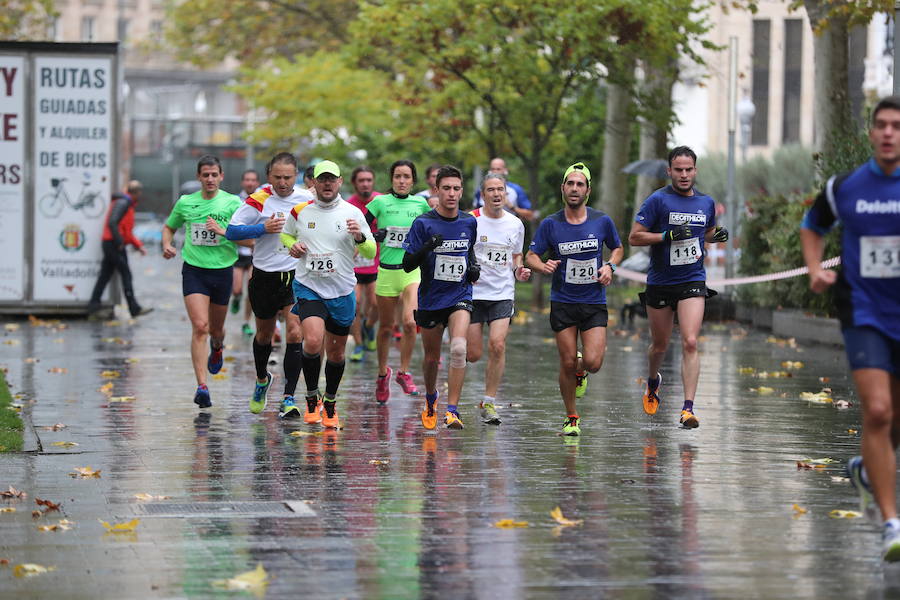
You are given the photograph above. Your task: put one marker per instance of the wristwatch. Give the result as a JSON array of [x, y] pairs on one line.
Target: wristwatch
[[363, 240], [611, 266]]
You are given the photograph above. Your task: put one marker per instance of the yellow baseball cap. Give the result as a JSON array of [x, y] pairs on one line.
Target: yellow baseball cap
[[326, 166], [581, 168]]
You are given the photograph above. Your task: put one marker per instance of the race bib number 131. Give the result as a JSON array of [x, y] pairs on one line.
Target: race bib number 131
[[879, 256]]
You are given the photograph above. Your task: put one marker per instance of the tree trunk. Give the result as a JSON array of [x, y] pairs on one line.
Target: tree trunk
[[534, 193], [831, 49], [616, 146], [654, 125]]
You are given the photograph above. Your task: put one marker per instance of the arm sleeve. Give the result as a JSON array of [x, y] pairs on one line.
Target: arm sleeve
[[289, 231], [245, 232], [116, 213], [368, 248], [372, 210]]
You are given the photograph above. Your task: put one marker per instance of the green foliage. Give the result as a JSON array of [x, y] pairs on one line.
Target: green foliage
[[790, 171], [10, 423], [26, 19], [850, 151]]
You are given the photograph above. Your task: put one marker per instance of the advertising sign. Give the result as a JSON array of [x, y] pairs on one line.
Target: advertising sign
[[12, 177]]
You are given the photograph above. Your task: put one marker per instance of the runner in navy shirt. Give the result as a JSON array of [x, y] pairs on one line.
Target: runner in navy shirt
[[442, 242], [676, 221], [574, 239], [867, 293]]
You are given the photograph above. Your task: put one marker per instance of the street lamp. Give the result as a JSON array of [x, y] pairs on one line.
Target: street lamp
[[745, 111]]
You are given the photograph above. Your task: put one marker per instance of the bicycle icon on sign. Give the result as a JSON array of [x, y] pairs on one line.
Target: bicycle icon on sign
[[90, 202]]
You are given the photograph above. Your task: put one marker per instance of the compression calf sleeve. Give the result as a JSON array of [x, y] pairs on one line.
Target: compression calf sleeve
[[293, 363], [261, 359]]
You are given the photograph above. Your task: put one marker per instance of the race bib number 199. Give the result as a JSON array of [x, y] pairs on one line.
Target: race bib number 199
[[201, 236], [879, 256], [449, 268], [685, 252]]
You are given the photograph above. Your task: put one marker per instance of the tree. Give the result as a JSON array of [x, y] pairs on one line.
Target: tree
[[26, 19]]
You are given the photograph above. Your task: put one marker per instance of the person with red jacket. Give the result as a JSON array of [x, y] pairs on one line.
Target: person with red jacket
[[117, 234]]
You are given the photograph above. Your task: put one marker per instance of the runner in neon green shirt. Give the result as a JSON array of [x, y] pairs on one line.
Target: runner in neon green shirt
[[395, 212], [206, 275]]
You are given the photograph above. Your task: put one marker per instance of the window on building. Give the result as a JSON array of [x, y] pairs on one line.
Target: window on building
[[760, 91], [793, 70], [156, 28], [856, 73], [88, 29]]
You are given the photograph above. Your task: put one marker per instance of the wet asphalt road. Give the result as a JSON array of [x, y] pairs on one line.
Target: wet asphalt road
[[388, 511]]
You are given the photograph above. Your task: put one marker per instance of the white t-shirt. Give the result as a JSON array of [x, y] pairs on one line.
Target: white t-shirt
[[498, 240], [269, 254], [244, 250], [327, 267]]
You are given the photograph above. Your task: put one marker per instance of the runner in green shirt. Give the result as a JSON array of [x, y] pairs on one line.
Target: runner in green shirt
[[206, 275], [395, 212]]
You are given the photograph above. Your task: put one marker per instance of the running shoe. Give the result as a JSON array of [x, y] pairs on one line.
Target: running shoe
[[570, 427], [357, 354], [313, 413], [371, 345], [452, 421], [259, 399], [235, 304], [201, 397], [247, 330], [651, 397], [406, 382], [383, 387], [369, 337], [689, 420], [429, 415], [890, 540], [489, 414], [867, 504], [215, 360], [330, 415], [288, 408], [581, 380]]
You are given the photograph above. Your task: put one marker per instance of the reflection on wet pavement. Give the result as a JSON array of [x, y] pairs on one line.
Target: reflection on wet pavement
[[398, 513]]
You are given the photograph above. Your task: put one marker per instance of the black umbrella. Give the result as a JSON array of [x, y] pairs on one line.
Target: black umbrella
[[652, 167]]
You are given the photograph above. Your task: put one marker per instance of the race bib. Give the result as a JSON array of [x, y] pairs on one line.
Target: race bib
[[685, 252], [321, 265], [581, 272], [201, 236], [360, 261], [449, 268], [496, 255], [879, 256], [395, 237]]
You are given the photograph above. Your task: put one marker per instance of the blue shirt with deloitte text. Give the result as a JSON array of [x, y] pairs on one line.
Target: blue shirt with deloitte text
[[680, 261], [867, 202], [444, 280], [579, 248]]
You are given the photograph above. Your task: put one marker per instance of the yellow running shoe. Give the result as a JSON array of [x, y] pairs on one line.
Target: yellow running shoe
[[571, 427], [689, 420], [452, 420], [581, 379], [651, 397]]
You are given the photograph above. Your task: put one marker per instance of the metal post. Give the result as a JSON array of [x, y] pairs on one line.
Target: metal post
[[731, 199], [896, 40]]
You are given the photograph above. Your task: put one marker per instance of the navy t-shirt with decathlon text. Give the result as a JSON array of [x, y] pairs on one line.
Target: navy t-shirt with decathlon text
[[679, 261], [580, 250], [444, 270], [867, 203]]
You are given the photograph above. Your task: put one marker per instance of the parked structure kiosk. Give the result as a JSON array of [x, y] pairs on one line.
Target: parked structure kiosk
[[59, 164]]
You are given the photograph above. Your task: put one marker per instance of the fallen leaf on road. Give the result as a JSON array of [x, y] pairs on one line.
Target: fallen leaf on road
[[49, 504], [31, 360], [13, 493], [56, 427], [128, 527], [4, 562], [7, 509], [65, 444], [122, 399], [852, 431], [817, 398], [304, 433], [85, 472], [746, 370], [110, 374], [131, 361], [824, 379], [792, 364], [378, 461], [557, 515], [799, 510], [150, 497], [59, 341], [46, 528], [229, 359], [11, 327], [36, 514], [220, 376], [11, 342], [510, 524], [844, 514], [839, 479], [57, 370], [763, 390], [806, 465], [255, 580], [820, 461], [30, 569], [112, 323]]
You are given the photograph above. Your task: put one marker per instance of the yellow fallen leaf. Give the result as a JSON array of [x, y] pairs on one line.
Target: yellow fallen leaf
[[150, 497], [549, 340], [31, 360], [11, 327], [110, 374], [304, 433], [819, 461], [46, 528], [799, 509], [510, 524], [29, 569], [557, 515], [106, 388], [746, 370], [85, 472], [11, 342], [57, 370], [7, 509], [228, 359], [122, 399], [839, 479], [256, 579], [220, 376], [763, 390], [65, 444], [120, 527], [852, 431], [844, 514], [131, 361], [792, 364], [59, 341], [817, 398]]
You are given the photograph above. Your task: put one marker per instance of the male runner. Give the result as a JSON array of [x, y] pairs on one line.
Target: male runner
[[517, 201], [498, 249], [249, 183], [395, 212], [325, 236], [867, 295], [262, 218], [206, 276], [363, 329], [442, 243], [574, 238], [675, 221]]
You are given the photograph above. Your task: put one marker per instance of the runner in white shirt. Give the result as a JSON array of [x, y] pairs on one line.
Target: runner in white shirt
[[249, 184], [498, 249], [262, 217], [326, 236]]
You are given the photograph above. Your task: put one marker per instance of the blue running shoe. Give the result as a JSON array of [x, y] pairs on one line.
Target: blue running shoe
[[259, 399], [289, 410], [201, 397], [867, 504], [215, 360]]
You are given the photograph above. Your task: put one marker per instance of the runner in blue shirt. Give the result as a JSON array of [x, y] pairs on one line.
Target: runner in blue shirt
[[442, 242], [676, 221], [867, 294], [574, 238]]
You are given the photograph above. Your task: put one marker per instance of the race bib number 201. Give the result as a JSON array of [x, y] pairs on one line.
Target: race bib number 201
[[395, 237], [201, 236], [879, 256]]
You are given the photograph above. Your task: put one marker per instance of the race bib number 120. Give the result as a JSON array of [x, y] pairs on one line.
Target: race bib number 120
[[879, 256], [581, 272], [201, 236]]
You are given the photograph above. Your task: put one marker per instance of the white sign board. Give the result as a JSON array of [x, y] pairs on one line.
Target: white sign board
[[72, 160], [12, 177]]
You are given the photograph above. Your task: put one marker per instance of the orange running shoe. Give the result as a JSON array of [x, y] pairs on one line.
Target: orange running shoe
[[429, 415], [313, 412], [330, 415], [452, 420], [651, 397], [689, 420]]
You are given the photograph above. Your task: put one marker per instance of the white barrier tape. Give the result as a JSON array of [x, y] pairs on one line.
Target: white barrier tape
[[714, 283]]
